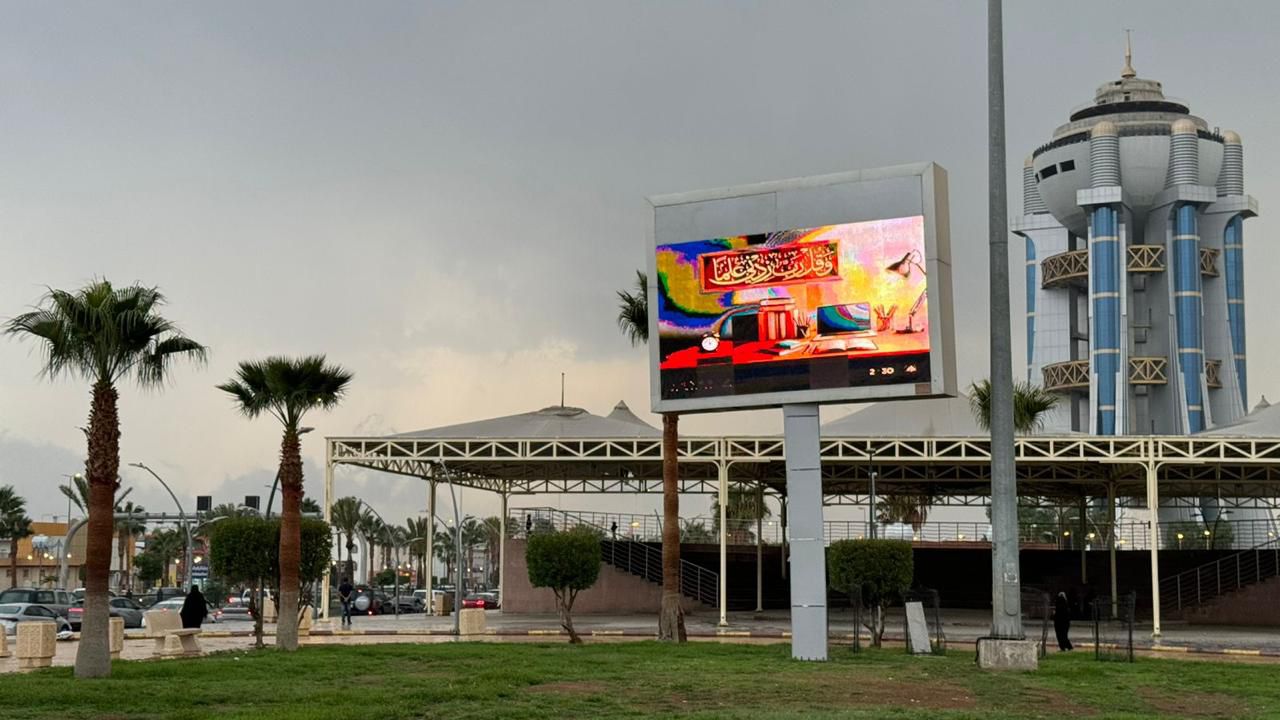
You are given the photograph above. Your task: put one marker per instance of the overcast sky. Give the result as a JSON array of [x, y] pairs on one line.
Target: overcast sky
[[443, 197]]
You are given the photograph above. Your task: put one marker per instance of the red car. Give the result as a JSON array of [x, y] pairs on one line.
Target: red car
[[479, 601]]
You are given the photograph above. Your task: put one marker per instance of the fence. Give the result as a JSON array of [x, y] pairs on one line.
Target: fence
[[1129, 534]]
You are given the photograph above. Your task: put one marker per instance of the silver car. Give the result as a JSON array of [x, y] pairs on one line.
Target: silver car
[[13, 613]]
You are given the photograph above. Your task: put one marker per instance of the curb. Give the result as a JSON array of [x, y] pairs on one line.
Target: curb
[[716, 634]]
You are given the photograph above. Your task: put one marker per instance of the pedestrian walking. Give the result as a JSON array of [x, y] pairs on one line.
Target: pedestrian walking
[[194, 609], [1062, 621]]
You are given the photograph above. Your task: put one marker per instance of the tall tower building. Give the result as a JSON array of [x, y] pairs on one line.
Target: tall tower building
[[1133, 217]]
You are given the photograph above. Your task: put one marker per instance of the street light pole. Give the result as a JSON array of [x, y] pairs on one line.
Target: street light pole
[[1006, 600], [457, 528], [182, 518]]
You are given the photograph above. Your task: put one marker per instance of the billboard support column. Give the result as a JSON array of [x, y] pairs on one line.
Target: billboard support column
[[802, 446]]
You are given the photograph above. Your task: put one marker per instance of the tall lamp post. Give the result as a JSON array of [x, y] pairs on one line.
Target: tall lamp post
[[457, 529], [182, 518], [1006, 585]]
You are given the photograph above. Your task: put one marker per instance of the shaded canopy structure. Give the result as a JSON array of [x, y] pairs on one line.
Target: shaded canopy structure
[[924, 447]]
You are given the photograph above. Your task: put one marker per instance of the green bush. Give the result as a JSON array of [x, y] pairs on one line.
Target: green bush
[[566, 562], [246, 551], [879, 571]]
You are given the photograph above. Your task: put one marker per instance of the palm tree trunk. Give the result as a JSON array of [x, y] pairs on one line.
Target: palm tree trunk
[[671, 616], [290, 540], [93, 657]]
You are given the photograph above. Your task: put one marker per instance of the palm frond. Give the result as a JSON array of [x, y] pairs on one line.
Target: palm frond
[[633, 310]]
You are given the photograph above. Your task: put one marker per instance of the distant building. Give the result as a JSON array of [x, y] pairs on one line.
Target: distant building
[[38, 562], [1133, 216]]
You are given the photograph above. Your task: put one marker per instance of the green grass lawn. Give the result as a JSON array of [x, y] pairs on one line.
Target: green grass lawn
[[635, 679]]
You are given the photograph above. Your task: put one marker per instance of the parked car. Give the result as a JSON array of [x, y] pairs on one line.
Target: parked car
[[407, 603], [151, 597], [57, 600], [13, 613], [75, 614], [175, 605], [129, 609], [370, 601], [479, 600], [237, 606]]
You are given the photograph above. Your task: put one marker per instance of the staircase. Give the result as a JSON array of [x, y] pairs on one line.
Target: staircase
[[637, 558], [1195, 587]]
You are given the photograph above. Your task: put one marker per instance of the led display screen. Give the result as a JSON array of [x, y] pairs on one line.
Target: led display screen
[[806, 309]]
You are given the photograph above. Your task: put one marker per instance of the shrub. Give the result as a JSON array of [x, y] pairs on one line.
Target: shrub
[[878, 570], [566, 562]]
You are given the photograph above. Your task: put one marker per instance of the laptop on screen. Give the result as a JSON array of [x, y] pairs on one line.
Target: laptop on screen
[[845, 319]]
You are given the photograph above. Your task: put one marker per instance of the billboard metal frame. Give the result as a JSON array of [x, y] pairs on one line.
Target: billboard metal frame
[[848, 197]]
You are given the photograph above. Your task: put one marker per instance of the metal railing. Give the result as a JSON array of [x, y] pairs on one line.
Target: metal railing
[[1065, 535], [1194, 587], [630, 555]]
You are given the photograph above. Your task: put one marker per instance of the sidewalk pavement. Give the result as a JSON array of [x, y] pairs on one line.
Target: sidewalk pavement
[[961, 628]]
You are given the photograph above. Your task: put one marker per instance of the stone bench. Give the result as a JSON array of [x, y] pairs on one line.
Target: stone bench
[[37, 643], [171, 639]]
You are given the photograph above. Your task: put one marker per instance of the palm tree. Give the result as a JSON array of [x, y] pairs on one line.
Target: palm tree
[[446, 549], [416, 532], [1030, 405], [492, 548], [370, 528], [745, 507], [696, 532], [230, 510], [309, 506], [104, 335], [473, 535], [286, 389], [127, 529], [14, 525], [167, 544], [345, 515], [633, 320], [78, 493]]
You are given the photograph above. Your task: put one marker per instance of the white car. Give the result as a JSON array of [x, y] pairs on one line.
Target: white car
[[175, 606], [13, 613]]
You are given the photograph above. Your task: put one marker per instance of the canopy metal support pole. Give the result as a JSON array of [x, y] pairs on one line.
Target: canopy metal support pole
[[431, 545], [1153, 535], [1111, 522], [759, 547], [723, 469], [328, 518], [1082, 537], [502, 550]]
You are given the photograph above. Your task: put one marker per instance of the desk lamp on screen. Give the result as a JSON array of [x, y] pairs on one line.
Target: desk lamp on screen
[[903, 267]]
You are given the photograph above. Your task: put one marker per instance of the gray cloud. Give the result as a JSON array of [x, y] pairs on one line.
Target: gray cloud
[[444, 197]]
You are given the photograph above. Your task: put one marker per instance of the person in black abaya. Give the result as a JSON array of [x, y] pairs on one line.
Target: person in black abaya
[[194, 609], [1062, 621]]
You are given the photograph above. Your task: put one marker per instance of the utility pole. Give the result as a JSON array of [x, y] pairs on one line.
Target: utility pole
[[1006, 584]]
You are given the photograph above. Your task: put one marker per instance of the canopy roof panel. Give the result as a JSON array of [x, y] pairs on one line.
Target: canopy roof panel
[[556, 421]]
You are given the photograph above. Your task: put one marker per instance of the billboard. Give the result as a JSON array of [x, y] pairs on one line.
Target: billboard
[[830, 289]]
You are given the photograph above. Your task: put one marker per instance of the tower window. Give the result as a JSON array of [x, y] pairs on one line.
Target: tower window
[[1048, 172], [1067, 165]]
